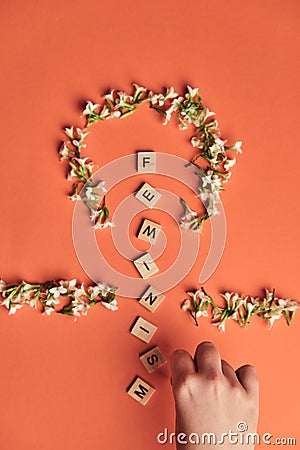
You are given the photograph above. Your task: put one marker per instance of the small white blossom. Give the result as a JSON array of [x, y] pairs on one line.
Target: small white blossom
[[138, 88], [196, 142], [100, 187], [13, 308], [106, 289], [94, 291], [203, 313], [102, 226], [186, 306], [110, 96], [288, 304], [78, 293], [207, 113], [237, 147], [113, 114], [90, 108], [57, 291], [113, 305], [74, 197], [79, 306], [158, 99], [89, 193], [70, 132], [229, 163], [48, 310], [191, 92], [211, 180], [3, 285], [217, 147], [69, 285], [272, 319], [171, 93], [64, 151]]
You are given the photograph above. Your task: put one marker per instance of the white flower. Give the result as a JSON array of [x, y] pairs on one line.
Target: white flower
[[212, 196], [226, 177], [94, 291], [138, 89], [74, 197], [202, 313], [110, 96], [207, 113], [64, 151], [105, 289], [80, 307], [82, 134], [221, 326], [52, 301], [272, 319], [104, 112], [196, 142], [48, 310], [70, 132], [229, 163], [100, 187], [57, 291], [33, 302], [217, 147], [13, 308], [123, 99], [186, 305], [79, 292], [201, 295], [188, 220], [94, 214], [113, 305], [89, 193], [212, 180], [113, 114], [288, 304], [69, 285], [168, 116], [3, 285], [90, 108], [184, 124], [237, 147], [71, 174], [104, 225], [158, 99], [171, 93], [191, 92]]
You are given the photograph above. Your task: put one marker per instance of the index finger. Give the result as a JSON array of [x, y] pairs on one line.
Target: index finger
[[182, 365]]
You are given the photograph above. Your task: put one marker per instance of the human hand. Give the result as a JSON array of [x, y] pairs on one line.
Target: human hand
[[210, 397]]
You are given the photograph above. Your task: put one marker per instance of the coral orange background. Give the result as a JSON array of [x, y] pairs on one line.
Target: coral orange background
[[63, 384]]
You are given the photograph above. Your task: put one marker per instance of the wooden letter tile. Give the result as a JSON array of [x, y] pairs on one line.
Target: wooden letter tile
[[151, 298], [148, 195], [149, 231], [146, 162], [152, 359], [145, 265], [143, 329], [140, 391]]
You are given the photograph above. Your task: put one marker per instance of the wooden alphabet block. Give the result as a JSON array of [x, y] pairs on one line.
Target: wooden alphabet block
[[149, 231], [146, 162], [143, 329], [151, 298], [152, 359], [145, 265], [140, 391], [148, 195]]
